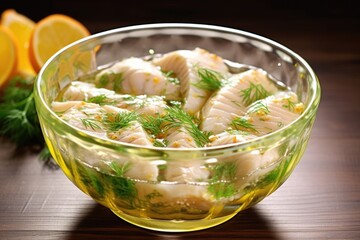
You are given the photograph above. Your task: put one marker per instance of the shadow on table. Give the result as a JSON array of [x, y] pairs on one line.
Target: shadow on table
[[101, 223]]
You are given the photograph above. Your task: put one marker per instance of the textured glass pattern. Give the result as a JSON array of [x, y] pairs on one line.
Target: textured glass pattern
[[241, 175]]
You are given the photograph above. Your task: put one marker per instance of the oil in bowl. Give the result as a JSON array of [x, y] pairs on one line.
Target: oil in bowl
[[156, 147]]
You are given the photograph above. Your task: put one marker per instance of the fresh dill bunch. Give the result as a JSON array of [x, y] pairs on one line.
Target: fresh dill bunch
[[177, 117], [210, 80], [221, 183], [18, 89], [242, 123], [253, 93], [115, 122], [18, 117]]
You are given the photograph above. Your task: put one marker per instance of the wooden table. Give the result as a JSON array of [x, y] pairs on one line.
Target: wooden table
[[320, 200]]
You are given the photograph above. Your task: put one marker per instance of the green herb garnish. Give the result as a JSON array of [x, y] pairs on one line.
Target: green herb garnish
[[106, 77], [160, 143], [289, 104], [103, 80], [170, 76], [221, 183], [90, 178], [242, 123], [237, 132], [258, 107], [90, 123], [118, 79], [179, 118], [154, 125], [115, 122], [101, 99], [253, 93], [123, 187], [18, 117], [210, 80]]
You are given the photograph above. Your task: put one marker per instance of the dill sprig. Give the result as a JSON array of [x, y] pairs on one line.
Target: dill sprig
[[258, 107], [179, 118], [90, 123], [242, 123], [221, 182], [101, 99], [210, 80], [154, 125], [115, 122], [253, 93], [289, 104]]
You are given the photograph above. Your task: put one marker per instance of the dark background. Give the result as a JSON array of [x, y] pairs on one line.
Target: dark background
[[320, 200], [287, 22], [105, 14]]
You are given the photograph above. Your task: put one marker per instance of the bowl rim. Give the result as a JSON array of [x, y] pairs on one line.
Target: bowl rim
[[249, 144]]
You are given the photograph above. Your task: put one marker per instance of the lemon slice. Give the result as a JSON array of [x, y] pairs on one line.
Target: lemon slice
[[21, 27], [8, 55], [51, 34]]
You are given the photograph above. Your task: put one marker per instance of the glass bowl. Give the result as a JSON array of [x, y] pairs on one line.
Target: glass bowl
[[240, 175]]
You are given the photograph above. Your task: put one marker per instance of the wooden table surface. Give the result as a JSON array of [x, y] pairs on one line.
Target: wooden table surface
[[320, 200]]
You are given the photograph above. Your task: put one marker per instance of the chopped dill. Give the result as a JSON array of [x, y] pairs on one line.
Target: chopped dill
[[110, 76], [268, 179], [160, 143], [179, 118], [174, 103], [101, 99], [221, 182], [210, 80], [289, 104], [123, 187], [103, 80], [171, 77], [258, 107], [253, 93], [115, 122], [153, 125], [242, 123], [90, 178], [237, 132], [118, 79], [90, 123], [119, 169]]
